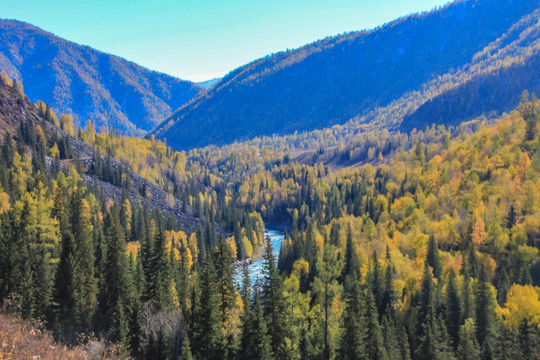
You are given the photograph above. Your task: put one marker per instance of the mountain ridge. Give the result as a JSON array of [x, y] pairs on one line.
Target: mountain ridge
[[87, 83], [338, 78]]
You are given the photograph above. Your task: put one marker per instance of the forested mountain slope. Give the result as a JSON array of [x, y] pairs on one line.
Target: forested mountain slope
[[339, 78], [88, 84], [115, 180], [430, 250], [489, 85]]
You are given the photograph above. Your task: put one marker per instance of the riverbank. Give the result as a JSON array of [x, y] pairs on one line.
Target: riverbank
[[255, 265]]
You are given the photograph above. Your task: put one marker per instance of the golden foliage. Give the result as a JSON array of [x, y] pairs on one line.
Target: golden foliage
[[522, 302]]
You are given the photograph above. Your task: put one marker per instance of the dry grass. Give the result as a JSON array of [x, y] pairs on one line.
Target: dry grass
[[24, 340]]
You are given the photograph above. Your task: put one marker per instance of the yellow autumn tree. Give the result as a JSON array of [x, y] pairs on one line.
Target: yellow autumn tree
[[522, 302], [479, 234], [66, 124]]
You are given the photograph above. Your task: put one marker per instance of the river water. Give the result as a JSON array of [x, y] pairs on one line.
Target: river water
[[256, 267]]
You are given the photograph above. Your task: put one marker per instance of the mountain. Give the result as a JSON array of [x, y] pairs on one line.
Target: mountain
[[491, 84], [18, 112], [339, 78], [208, 84], [89, 84]]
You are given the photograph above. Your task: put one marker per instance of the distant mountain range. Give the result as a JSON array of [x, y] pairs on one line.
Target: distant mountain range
[[434, 67], [209, 83], [89, 84]]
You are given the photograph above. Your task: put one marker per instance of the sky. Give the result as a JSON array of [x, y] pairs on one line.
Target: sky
[[202, 39]]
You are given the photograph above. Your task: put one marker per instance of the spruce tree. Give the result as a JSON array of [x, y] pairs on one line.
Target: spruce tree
[[507, 346], [84, 281], [528, 340], [426, 327], [41, 283], [255, 342], [207, 338], [354, 341], [350, 256], [224, 273], [404, 347], [64, 291], [376, 282], [485, 308], [503, 286], [375, 345], [182, 280], [433, 259], [226, 290], [453, 308], [159, 284], [115, 283], [468, 348], [274, 303]]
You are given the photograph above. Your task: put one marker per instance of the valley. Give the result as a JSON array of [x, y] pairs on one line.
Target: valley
[[373, 195]]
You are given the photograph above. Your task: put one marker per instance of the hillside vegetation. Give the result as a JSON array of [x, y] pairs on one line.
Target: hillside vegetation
[[412, 229], [429, 250], [21, 340]]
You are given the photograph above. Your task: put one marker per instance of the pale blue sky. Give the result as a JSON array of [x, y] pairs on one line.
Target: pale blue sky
[[203, 39]]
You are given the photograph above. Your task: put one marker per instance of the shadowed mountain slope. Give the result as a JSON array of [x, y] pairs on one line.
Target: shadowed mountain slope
[[331, 81], [89, 84]]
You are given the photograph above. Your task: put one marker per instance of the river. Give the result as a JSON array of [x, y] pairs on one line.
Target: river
[[256, 267]]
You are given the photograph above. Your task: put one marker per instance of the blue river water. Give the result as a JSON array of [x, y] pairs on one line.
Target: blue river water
[[256, 267]]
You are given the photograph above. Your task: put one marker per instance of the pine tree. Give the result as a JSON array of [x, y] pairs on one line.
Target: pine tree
[[273, 303], [453, 307], [350, 256], [433, 259], [485, 308], [468, 348], [159, 284], [503, 286], [354, 341], [404, 347], [208, 341], [375, 345], [84, 281], [426, 326], [64, 291], [528, 336], [255, 342], [115, 283]]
